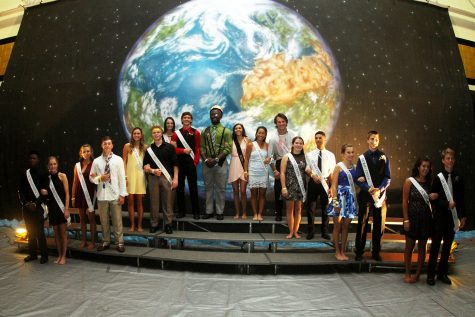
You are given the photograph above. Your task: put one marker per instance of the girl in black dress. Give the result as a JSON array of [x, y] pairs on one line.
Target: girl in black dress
[[417, 215], [58, 206]]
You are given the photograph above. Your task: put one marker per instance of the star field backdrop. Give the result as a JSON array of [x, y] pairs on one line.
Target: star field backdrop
[[400, 68]]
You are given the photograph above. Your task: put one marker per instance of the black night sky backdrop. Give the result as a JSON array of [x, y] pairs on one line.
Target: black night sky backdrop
[[400, 68]]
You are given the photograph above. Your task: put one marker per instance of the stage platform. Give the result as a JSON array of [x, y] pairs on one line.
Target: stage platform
[[256, 246]]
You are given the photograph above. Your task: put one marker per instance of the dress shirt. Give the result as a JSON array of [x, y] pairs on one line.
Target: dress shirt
[[165, 153], [222, 143], [116, 186], [276, 151], [197, 137], [375, 157], [328, 161]]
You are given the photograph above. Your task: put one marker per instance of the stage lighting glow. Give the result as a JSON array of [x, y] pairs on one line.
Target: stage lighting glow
[[21, 233]]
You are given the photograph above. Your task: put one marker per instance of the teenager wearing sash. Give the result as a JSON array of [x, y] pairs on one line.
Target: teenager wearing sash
[[292, 177], [187, 146], [58, 207], [256, 171], [322, 162], [216, 142], [449, 216], [169, 128], [161, 165], [83, 194], [132, 155], [373, 177], [417, 215], [343, 207], [236, 170], [108, 174], [31, 182], [279, 145]]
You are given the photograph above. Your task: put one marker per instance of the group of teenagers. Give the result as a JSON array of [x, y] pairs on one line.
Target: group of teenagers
[[432, 206]]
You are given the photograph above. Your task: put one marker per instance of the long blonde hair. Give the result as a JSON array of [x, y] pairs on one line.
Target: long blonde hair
[[141, 141]]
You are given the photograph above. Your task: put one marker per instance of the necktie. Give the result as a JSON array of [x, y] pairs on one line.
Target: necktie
[[449, 182], [107, 169], [213, 135], [319, 162]]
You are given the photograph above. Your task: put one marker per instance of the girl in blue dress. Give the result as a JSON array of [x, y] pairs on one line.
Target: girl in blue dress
[[343, 207]]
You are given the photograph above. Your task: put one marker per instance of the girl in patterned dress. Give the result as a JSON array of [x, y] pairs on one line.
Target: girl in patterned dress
[[343, 206]]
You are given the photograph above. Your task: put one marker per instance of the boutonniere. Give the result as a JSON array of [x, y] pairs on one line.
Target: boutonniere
[[456, 178], [383, 157]]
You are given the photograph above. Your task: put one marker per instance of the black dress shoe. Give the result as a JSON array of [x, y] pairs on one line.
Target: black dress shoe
[[326, 236], [444, 279], [120, 248], [207, 216], [310, 236], [30, 258], [180, 215], [278, 218], [430, 281], [153, 229], [220, 217], [196, 216], [43, 259], [377, 257], [103, 247], [168, 229]]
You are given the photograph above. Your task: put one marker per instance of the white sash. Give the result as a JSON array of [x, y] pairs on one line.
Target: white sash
[[449, 196], [351, 181], [420, 190], [185, 144], [316, 170], [32, 184], [299, 175], [36, 192], [90, 204], [159, 164], [284, 147], [258, 149], [136, 154], [166, 138], [56, 197], [379, 202]]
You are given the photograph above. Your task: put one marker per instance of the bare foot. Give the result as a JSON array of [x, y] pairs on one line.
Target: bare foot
[[62, 261], [91, 246], [244, 216], [255, 218], [415, 278], [338, 257], [236, 217], [297, 236], [82, 245], [289, 236], [139, 229], [408, 279], [57, 260], [260, 218], [132, 229]]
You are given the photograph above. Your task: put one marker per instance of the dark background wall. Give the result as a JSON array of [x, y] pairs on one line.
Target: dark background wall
[[400, 67]]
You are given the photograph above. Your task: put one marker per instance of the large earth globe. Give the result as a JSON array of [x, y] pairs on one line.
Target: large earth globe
[[254, 58]]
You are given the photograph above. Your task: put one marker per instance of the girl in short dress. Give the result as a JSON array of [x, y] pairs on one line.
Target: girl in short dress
[[236, 170], [78, 200], [343, 207], [256, 171], [133, 154]]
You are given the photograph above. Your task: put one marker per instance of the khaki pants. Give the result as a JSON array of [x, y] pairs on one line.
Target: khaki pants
[[112, 209], [161, 199]]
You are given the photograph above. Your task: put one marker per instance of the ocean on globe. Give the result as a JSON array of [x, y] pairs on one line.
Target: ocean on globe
[[254, 58]]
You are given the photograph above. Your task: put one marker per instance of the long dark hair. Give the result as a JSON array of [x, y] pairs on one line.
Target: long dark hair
[[243, 131], [415, 169], [293, 140], [165, 124]]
